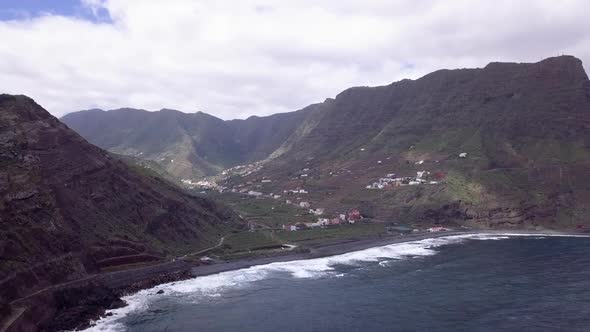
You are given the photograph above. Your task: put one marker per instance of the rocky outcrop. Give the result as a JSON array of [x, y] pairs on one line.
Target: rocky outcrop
[[68, 208]]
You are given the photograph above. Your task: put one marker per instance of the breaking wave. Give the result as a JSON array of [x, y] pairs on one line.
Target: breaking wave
[[214, 285]]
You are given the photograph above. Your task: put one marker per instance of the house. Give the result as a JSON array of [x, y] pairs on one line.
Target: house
[[342, 217], [305, 205], [320, 223], [335, 221], [437, 229], [276, 196], [463, 155], [266, 181], [254, 193], [289, 227], [354, 215], [288, 201], [439, 175], [206, 260], [317, 212]]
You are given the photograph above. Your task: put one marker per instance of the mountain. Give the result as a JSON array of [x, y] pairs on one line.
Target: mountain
[[185, 145], [522, 130], [69, 208]]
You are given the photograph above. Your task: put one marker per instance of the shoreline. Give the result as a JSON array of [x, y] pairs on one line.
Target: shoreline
[[344, 247], [125, 283], [320, 251]]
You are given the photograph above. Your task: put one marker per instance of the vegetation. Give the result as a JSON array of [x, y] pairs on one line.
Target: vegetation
[[333, 233]]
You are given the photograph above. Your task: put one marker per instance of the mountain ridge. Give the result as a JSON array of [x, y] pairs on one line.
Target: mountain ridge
[[524, 127]]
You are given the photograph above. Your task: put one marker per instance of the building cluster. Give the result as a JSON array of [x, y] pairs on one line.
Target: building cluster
[[437, 229], [350, 217], [202, 184], [242, 170], [391, 181]]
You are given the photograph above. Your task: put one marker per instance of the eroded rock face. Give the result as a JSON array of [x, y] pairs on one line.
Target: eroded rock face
[[66, 204]]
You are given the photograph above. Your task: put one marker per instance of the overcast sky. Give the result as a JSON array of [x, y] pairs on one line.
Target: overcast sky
[[236, 58]]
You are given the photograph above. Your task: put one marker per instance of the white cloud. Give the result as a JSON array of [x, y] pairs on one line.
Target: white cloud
[[238, 58]]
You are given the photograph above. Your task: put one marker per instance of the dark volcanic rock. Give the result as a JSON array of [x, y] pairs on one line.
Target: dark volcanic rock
[[67, 205]]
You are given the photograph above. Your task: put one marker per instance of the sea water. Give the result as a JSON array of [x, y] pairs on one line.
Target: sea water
[[457, 283]]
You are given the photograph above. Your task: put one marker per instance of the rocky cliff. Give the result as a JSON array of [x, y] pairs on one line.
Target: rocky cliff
[[68, 208]]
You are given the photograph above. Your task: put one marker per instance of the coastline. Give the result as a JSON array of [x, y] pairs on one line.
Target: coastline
[[124, 283], [320, 251], [344, 247]]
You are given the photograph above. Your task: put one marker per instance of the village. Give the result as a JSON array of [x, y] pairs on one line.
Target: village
[[316, 217], [422, 177]]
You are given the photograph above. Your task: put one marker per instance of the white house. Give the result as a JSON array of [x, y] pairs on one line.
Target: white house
[[463, 155], [317, 212], [437, 229]]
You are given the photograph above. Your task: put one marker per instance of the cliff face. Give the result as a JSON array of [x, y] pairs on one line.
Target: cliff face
[[68, 208], [507, 103]]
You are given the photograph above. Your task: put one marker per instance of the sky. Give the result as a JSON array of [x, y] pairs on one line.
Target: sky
[[234, 59]]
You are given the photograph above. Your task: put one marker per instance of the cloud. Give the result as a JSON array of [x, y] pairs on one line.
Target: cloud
[[238, 58]]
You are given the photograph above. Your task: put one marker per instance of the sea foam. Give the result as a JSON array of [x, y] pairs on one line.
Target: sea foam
[[211, 286]]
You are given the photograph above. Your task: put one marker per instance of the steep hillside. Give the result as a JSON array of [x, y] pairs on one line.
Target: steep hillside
[[185, 145], [524, 129], [503, 103], [68, 208]]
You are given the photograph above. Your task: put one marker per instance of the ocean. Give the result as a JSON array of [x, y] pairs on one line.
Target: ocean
[[457, 283]]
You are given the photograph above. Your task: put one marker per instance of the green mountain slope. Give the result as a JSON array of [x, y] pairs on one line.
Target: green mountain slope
[[524, 129], [186, 145]]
